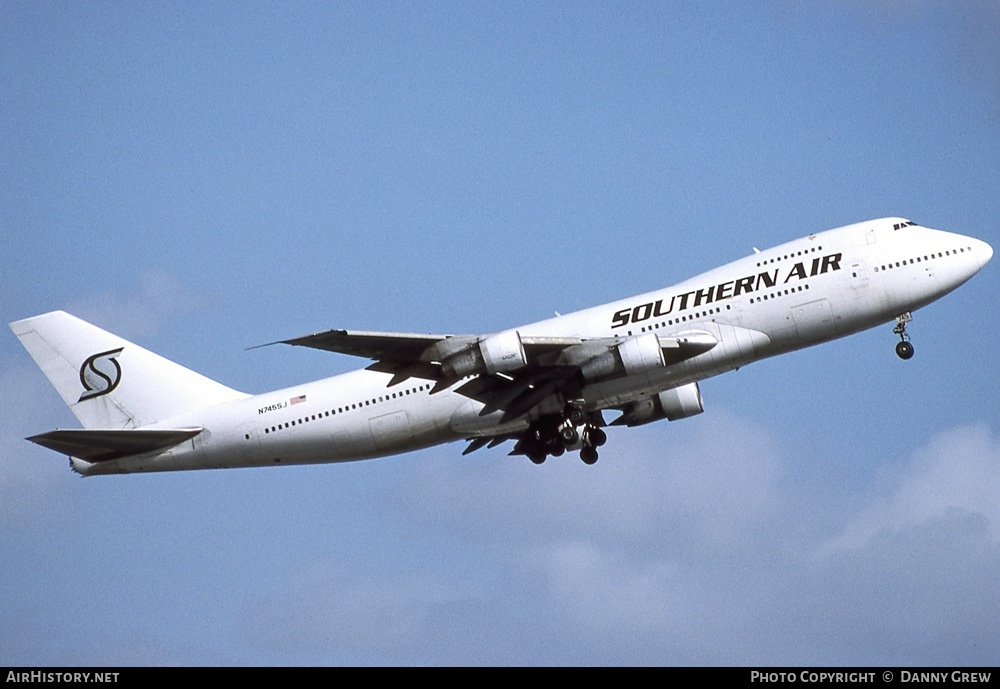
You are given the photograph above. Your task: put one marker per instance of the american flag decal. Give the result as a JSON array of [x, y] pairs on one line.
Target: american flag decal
[[296, 400]]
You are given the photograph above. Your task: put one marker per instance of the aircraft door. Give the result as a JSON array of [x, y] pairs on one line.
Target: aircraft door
[[859, 275], [868, 293]]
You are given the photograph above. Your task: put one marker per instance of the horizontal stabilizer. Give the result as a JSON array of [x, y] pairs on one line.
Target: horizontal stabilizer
[[104, 445]]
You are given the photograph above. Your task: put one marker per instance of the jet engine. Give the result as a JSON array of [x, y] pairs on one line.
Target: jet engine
[[673, 404], [632, 356], [500, 353]]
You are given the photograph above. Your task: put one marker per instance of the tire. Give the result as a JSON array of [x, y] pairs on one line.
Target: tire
[[596, 437], [904, 350], [569, 435]]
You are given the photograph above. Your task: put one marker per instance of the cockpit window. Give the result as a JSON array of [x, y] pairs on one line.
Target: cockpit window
[[905, 223]]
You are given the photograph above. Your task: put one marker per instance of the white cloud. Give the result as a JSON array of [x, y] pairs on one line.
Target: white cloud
[[711, 477], [956, 476], [599, 590], [699, 557], [34, 483], [330, 605], [157, 298]]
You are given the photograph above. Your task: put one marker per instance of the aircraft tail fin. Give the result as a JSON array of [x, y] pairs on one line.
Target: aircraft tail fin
[[109, 382]]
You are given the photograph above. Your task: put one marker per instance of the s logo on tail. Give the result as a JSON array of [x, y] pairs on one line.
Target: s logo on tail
[[100, 374]]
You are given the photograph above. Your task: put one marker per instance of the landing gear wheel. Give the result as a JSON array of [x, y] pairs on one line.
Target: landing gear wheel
[[550, 443], [569, 435], [596, 437], [576, 416], [536, 457], [904, 350], [588, 455]]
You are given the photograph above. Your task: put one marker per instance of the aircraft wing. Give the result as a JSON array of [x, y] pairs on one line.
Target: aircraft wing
[[401, 347], [413, 354], [409, 347], [401, 354], [508, 372]]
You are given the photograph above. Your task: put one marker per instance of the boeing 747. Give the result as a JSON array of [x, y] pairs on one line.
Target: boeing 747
[[545, 386]]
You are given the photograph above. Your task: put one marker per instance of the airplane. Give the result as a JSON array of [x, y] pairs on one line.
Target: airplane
[[544, 386]]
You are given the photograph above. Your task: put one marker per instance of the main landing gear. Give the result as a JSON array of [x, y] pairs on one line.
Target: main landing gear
[[554, 435], [904, 350]]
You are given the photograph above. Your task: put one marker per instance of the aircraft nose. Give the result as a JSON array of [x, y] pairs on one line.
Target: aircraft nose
[[983, 251]]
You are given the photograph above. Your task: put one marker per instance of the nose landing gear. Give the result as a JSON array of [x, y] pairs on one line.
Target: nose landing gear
[[904, 350]]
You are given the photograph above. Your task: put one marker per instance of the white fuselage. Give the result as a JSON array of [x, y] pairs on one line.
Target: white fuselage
[[801, 293]]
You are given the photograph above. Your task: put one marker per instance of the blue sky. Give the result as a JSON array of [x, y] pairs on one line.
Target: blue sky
[[204, 177]]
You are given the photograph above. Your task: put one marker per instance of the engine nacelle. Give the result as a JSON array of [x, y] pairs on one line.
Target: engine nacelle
[[682, 402], [500, 353], [632, 356], [641, 354], [673, 404]]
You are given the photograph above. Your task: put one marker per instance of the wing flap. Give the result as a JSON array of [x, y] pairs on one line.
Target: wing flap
[[105, 445]]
